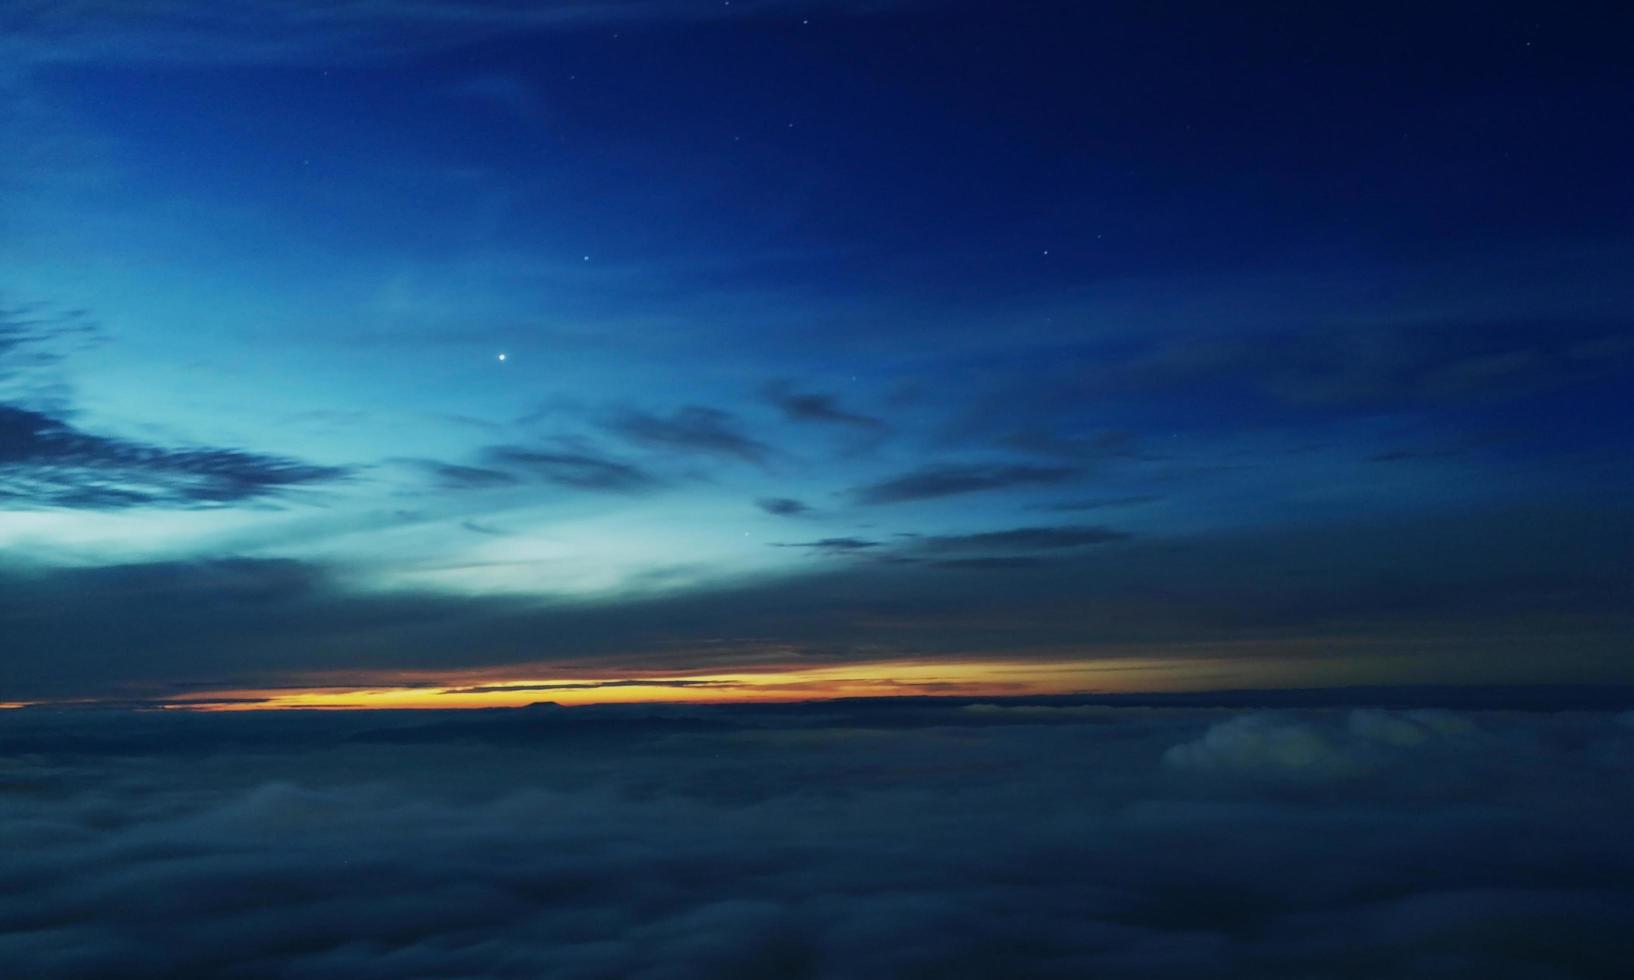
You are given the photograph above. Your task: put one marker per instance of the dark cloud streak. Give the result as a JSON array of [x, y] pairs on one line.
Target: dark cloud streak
[[47, 462], [946, 481], [1024, 539], [691, 429], [1344, 594], [831, 545], [1107, 503], [822, 409], [591, 685], [782, 506], [576, 470], [454, 476]]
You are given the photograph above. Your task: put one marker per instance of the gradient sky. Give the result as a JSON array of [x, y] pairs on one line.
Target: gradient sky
[[391, 352]]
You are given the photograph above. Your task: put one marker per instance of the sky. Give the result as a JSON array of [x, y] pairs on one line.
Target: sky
[[391, 353]]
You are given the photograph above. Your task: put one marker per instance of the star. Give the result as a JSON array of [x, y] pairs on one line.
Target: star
[[503, 357]]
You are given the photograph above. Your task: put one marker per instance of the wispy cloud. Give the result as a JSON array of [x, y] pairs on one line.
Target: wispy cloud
[[578, 470], [692, 429], [988, 563], [47, 462], [782, 506], [831, 545], [1105, 503], [799, 406], [1086, 448], [282, 31], [947, 481], [1405, 365], [34, 339], [1024, 539], [592, 685], [454, 476]]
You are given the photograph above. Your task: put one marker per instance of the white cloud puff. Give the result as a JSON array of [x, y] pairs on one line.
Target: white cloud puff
[[1272, 745]]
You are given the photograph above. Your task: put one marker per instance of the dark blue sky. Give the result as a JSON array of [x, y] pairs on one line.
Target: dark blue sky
[[1223, 347]]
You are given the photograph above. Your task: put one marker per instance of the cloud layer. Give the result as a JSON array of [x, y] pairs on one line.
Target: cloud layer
[[839, 840], [1318, 606]]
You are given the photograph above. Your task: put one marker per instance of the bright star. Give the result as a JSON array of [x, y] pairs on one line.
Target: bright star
[[504, 356]]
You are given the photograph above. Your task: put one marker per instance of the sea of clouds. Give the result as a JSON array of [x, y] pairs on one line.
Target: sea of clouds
[[927, 840]]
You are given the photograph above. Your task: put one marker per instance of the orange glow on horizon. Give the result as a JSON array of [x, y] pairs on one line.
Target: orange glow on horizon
[[973, 678], [843, 681]]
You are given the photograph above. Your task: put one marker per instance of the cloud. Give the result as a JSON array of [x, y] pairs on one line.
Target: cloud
[[1273, 746], [212, 579], [1265, 745], [1302, 606], [1104, 503], [947, 481], [990, 563], [299, 31], [782, 506], [1089, 448], [1024, 539], [1413, 455], [692, 429], [832, 545], [453, 476], [1005, 543], [47, 462], [592, 685], [36, 337], [841, 840], [34, 329], [819, 408], [577, 470], [1417, 364], [1447, 383]]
